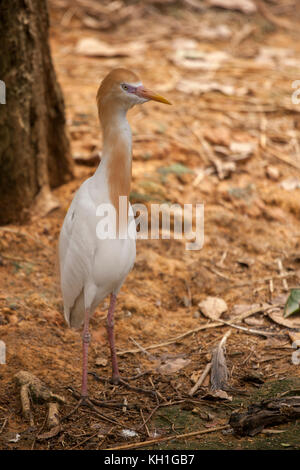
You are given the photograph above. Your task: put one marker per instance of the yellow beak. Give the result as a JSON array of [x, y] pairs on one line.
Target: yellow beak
[[150, 95]]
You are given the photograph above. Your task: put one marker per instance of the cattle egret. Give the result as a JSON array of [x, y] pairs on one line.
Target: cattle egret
[[92, 266]]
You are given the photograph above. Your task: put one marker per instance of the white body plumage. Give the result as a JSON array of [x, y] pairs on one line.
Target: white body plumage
[[91, 268]]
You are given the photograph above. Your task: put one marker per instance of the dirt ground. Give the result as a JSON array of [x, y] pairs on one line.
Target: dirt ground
[[233, 146]]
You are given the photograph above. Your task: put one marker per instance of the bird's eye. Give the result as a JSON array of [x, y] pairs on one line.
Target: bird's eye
[[125, 87]]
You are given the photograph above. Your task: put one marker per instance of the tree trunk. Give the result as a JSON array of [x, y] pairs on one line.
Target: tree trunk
[[34, 147]]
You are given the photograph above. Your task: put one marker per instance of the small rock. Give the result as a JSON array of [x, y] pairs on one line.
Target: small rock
[[272, 172]]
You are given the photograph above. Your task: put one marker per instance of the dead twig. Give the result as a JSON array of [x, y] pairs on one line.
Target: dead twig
[[144, 423], [85, 440], [137, 445], [281, 271], [200, 380], [150, 416], [3, 425], [171, 341], [254, 310], [283, 158], [143, 350], [249, 330]]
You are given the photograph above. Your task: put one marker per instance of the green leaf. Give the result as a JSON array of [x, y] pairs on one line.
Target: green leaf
[[292, 304]]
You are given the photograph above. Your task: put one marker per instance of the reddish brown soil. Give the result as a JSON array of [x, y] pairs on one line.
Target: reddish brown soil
[[248, 215]]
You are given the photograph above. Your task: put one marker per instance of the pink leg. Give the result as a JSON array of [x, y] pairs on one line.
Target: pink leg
[[85, 343], [111, 338]]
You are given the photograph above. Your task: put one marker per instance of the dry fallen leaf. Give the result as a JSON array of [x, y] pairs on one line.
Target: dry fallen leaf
[[277, 317], [172, 366], [96, 48], [276, 55], [245, 6], [195, 59], [220, 31], [290, 184], [195, 376], [101, 362], [294, 336], [196, 87], [217, 395], [213, 307], [241, 150], [252, 321], [239, 309]]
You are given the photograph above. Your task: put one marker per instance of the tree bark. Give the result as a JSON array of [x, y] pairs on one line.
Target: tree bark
[[34, 147]]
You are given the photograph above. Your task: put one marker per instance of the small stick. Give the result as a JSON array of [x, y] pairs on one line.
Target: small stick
[[249, 330], [143, 350], [200, 380], [85, 440], [150, 416], [220, 263], [224, 339], [3, 425], [136, 445], [281, 271], [171, 341], [144, 422], [255, 281], [254, 310], [105, 437], [157, 394], [282, 157], [271, 287], [124, 409]]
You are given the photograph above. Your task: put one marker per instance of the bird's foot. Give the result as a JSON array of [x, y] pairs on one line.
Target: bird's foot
[[118, 380], [83, 401], [93, 405]]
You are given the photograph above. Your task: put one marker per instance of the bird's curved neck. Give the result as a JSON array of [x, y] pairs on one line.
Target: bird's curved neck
[[117, 153]]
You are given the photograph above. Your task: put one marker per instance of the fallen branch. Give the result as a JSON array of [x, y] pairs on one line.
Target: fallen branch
[[136, 445], [265, 414]]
